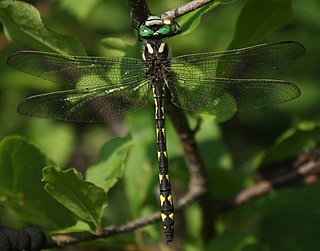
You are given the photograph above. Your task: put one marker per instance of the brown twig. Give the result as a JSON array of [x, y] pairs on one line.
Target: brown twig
[[140, 9], [300, 174], [310, 167], [198, 181], [185, 8]]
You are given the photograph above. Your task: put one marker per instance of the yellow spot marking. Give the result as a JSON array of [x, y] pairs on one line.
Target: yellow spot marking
[[171, 216], [165, 154], [162, 199], [163, 216], [143, 56], [157, 132], [160, 177], [167, 21], [158, 155], [170, 198], [167, 177], [164, 134], [161, 48], [150, 49]]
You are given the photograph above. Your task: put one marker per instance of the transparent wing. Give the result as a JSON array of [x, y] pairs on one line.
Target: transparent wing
[[78, 72], [224, 96], [219, 82], [102, 88], [240, 63], [87, 105]]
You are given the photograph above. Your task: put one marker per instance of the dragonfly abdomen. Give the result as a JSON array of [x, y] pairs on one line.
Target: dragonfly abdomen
[[166, 201]]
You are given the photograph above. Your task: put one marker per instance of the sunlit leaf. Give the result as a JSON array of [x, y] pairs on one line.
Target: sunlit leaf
[[78, 227], [139, 172], [23, 25], [81, 9], [84, 199], [55, 139], [109, 165], [114, 43]]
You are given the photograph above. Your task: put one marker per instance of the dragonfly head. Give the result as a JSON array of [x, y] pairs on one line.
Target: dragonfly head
[[156, 27]]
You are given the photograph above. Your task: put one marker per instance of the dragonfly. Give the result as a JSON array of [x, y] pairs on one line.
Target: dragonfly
[[106, 88]]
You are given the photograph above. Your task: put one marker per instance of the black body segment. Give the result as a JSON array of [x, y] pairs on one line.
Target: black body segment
[[155, 54], [166, 200]]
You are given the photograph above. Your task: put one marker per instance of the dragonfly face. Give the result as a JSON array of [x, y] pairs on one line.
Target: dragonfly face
[[156, 27]]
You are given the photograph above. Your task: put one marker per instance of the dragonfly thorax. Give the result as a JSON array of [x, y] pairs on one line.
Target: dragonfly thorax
[[155, 54]]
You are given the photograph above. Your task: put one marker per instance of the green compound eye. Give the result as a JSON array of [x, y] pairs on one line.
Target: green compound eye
[[145, 31], [164, 30]]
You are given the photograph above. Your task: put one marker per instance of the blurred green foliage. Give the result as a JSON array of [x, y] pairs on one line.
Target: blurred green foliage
[[233, 151]]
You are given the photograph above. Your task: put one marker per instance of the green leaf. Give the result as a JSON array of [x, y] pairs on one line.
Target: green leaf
[[285, 220], [55, 139], [225, 115], [303, 137], [81, 10], [190, 21], [114, 43], [258, 19], [211, 144], [21, 189], [23, 25], [234, 241], [227, 1], [109, 165], [139, 172], [84, 199], [121, 47], [78, 227], [193, 225], [223, 183]]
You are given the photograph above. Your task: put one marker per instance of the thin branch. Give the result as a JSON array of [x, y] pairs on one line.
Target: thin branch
[[66, 240], [306, 169], [198, 180], [141, 11], [310, 168], [185, 8]]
